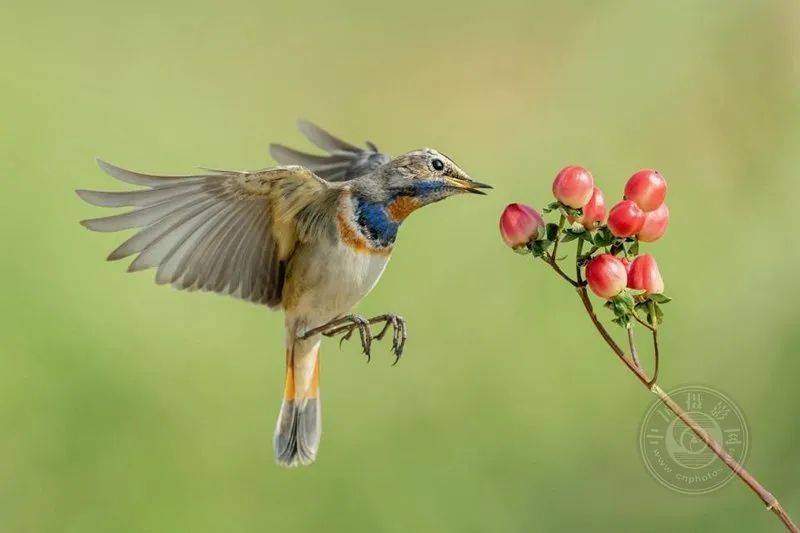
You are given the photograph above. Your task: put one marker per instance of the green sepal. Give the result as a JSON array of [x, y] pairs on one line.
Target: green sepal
[[623, 306]]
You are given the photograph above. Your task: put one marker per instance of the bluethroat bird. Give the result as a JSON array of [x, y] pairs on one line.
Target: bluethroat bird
[[311, 237]]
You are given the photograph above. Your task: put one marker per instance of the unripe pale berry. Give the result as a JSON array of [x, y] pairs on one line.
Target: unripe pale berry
[[644, 275], [655, 224], [520, 224], [625, 219], [606, 276], [647, 188], [573, 186]]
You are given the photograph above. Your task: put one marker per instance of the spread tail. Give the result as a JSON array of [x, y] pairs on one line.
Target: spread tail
[[299, 426]]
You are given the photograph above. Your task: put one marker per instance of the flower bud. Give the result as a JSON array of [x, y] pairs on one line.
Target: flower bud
[[625, 219], [520, 224], [655, 224], [606, 276], [573, 186], [647, 188], [594, 212], [644, 275]]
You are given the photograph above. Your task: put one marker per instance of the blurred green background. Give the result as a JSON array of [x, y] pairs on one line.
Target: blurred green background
[[130, 407]]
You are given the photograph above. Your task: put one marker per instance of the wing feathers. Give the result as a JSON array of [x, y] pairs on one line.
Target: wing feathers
[[217, 232], [158, 229], [344, 162], [136, 198], [147, 180], [322, 139]]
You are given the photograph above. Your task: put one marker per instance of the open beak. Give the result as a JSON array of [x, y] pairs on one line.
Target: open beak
[[467, 184]]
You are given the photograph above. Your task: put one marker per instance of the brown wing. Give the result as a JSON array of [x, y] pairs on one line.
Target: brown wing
[[227, 232]]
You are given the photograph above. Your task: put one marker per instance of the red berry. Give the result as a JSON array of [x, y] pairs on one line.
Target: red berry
[[520, 224], [655, 224], [625, 219], [573, 186], [626, 263], [644, 275], [606, 276], [594, 212], [647, 188]]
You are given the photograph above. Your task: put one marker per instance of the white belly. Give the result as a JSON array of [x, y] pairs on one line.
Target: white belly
[[328, 281]]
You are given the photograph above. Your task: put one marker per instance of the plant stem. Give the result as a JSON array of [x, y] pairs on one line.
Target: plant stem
[[642, 322], [550, 260], [634, 355], [558, 235], [655, 357], [766, 497]]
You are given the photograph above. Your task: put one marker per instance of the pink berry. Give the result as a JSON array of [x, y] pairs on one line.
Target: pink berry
[[606, 276], [647, 188], [625, 219], [644, 275], [573, 186], [655, 224], [520, 224], [594, 212]]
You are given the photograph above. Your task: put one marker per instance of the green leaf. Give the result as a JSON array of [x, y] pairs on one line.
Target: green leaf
[[569, 236], [551, 207], [587, 236], [603, 237], [659, 313], [660, 298], [551, 231], [627, 298]]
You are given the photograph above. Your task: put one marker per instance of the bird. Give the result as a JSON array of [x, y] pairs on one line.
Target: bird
[[310, 236]]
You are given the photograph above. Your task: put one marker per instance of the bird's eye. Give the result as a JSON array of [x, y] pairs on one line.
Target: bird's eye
[[437, 164]]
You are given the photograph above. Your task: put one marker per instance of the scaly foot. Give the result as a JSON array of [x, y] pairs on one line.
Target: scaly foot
[[346, 325]]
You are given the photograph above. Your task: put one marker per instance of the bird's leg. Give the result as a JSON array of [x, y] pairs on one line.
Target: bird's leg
[[350, 323], [347, 324], [399, 332]]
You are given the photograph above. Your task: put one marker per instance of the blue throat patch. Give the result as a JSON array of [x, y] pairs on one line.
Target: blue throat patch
[[374, 222], [373, 218]]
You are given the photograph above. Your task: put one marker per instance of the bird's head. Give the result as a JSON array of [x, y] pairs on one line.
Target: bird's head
[[426, 176]]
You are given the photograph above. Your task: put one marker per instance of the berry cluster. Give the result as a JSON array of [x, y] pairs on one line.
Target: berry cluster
[[613, 268], [629, 282]]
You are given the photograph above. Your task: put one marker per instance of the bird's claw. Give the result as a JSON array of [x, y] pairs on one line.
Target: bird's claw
[[353, 323], [399, 333], [350, 323]]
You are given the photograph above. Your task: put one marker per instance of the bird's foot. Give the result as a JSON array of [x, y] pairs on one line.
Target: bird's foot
[[399, 332], [348, 324]]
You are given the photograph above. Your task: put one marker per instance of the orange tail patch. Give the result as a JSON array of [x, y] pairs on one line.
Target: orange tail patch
[[289, 386]]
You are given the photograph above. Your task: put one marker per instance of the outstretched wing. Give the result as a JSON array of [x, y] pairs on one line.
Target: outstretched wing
[[223, 231], [344, 163]]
